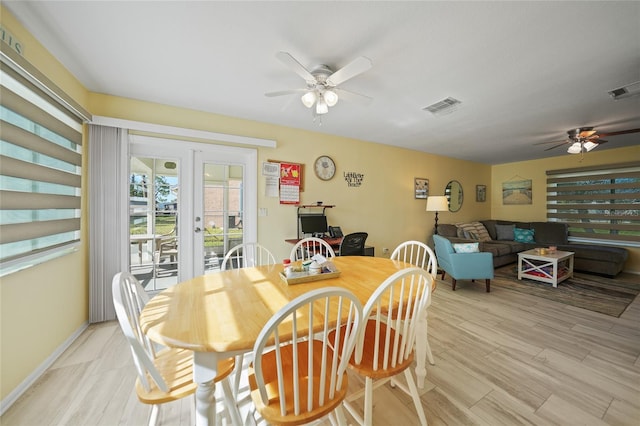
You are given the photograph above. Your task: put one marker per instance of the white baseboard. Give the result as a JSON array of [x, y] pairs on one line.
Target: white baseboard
[[35, 375]]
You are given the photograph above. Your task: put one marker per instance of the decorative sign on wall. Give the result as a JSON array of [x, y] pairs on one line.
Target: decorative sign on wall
[[353, 178]]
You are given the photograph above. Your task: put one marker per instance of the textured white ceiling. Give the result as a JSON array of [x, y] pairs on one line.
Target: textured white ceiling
[[526, 72]]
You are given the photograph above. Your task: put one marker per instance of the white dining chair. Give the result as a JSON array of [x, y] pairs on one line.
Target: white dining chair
[[417, 253], [300, 376], [164, 374], [421, 255], [306, 248], [385, 347], [246, 255], [242, 256]]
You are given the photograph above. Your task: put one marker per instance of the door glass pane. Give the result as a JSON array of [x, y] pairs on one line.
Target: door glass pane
[[153, 214], [223, 212]]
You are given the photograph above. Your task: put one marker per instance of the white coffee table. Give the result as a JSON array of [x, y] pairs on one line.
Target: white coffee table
[[548, 268]]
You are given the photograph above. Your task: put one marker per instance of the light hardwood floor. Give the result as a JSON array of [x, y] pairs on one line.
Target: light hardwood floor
[[502, 358]]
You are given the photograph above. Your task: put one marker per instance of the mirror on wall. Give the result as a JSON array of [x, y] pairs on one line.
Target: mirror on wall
[[453, 192]]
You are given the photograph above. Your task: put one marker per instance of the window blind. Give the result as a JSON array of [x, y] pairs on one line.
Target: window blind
[[40, 167], [601, 203]]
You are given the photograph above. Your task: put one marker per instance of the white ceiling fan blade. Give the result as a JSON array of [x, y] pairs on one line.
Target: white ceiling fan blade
[[350, 96], [285, 92], [357, 66], [292, 63]]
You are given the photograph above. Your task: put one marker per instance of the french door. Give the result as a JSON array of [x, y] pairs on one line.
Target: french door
[[189, 204]]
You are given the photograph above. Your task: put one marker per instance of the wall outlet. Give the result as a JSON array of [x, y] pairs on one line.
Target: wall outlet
[[385, 250], [262, 212]]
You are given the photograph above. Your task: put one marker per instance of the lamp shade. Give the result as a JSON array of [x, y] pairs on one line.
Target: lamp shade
[[575, 148], [321, 106], [308, 99], [330, 97], [589, 145], [437, 203]]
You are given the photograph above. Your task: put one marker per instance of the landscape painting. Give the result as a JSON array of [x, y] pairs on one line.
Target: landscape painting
[[517, 192]]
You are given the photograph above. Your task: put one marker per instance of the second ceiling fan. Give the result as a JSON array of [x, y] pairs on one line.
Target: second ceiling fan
[[322, 89], [584, 139]]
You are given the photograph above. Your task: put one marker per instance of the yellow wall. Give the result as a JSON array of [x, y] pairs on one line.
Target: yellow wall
[[536, 171], [384, 206], [43, 306]]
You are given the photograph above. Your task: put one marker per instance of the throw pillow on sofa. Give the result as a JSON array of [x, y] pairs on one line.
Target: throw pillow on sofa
[[473, 230], [523, 235], [505, 232], [466, 247]]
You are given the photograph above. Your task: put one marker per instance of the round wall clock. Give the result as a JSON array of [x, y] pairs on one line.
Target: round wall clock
[[324, 167]]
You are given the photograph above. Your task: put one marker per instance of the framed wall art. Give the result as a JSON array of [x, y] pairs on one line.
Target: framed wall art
[[517, 192], [421, 187], [481, 193]]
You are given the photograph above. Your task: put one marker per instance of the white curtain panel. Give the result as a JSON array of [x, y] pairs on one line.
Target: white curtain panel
[[108, 216]]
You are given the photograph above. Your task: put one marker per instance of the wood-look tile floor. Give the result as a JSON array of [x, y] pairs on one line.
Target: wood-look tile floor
[[502, 358]]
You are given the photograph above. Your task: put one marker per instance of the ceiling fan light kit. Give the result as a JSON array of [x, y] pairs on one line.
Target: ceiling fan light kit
[[322, 82], [584, 139]]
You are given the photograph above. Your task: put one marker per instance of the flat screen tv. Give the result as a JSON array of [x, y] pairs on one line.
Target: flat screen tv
[[313, 224]]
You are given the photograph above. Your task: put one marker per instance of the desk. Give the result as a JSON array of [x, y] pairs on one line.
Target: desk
[[220, 315], [335, 244]]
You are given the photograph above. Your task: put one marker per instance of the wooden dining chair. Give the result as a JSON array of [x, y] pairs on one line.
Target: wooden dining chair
[[299, 374], [419, 254], [385, 348], [243, 256], [306, 248], [164, 374], [247, 255]]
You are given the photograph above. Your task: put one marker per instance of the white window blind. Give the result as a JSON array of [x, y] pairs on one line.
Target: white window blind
[[598, 203], [40, 169]]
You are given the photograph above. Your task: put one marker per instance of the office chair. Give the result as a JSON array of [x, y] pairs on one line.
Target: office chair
[[353, 244]]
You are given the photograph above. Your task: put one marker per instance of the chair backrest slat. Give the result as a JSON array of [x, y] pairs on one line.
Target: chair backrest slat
[[306, 248], [247, 255], [396, 307], [417, 253], [320, 312]]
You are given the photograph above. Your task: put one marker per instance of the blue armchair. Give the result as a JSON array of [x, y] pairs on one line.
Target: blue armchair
[[463, 266]]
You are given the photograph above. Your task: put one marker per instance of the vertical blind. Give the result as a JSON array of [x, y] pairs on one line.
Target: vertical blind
[[601, 203], [40, 169]]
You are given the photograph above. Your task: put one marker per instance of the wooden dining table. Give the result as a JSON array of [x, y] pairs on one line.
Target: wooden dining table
[[220, 315]]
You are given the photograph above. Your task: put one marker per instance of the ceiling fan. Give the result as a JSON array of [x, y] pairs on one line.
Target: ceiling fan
[[322, 83], [584, 139]]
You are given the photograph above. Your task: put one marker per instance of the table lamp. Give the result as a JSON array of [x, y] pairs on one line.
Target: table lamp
[[437, 203]]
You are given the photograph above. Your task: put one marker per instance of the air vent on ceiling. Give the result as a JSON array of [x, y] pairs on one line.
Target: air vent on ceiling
[[629, 90], [445, 106]]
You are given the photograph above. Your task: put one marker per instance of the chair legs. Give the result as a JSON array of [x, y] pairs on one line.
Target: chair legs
[[416, 397], [370, 385], [453, 283], [238, 375]]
